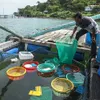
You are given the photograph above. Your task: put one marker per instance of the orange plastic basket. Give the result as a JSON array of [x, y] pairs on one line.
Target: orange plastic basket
[[16, 73]]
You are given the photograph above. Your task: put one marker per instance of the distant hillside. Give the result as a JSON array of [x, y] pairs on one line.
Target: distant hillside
[[58, 8]]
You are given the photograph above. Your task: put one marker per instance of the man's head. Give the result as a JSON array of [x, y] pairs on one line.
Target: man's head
[[78, 17]]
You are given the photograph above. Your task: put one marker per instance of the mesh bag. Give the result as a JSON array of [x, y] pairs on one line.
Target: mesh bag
[[66, 49], [46, 94]]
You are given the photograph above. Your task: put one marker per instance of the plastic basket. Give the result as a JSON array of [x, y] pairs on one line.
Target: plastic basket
[[30, 66], [76, 78], [45, 69], [16, 73], [62, 87], [70, 68], [25, 55]]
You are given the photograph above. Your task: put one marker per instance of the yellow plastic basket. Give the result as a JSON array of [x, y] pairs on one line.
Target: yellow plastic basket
[[62, 87], [16, 73]]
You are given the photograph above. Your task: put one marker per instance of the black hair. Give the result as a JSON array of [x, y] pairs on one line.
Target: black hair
[[78, 15]]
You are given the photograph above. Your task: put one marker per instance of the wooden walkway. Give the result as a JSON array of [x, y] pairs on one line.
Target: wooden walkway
[[49, 39]]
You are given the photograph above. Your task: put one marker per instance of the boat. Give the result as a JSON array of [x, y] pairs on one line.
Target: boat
[[42, 47]]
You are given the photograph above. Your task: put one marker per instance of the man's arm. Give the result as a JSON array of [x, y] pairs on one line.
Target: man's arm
[[74, 30], [93, 34]]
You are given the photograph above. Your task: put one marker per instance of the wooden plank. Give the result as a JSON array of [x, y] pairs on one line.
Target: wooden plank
[[52, 44], [44, 35], [58, 35], [48, 36], [54, 34], [41, 36], [63, 36]]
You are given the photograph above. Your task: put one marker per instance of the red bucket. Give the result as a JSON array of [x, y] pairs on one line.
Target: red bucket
[[30, 66]]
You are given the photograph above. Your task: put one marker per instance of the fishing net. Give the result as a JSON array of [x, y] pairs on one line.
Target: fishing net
[[46, 94], [66, 49], [54, 61]]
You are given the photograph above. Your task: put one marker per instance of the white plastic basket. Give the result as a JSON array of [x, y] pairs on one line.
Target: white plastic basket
[[25, 55]]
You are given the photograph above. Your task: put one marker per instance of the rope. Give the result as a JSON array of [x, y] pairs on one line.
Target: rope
[[9, 31]]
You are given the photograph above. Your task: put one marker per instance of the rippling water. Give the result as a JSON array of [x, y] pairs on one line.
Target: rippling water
[[26, 26]]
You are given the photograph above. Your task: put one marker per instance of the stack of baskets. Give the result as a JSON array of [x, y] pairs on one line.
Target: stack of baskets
[[45, 69], [62, 87], [73, 74]]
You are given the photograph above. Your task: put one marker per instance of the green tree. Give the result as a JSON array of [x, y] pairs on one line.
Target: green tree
[[41, 7], [21, 11], [52, 8], [16, 13], [98, 1], [96, 9]]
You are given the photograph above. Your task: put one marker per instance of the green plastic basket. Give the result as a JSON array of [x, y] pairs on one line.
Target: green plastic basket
[[46, 67], [76, 78], [46, 94]]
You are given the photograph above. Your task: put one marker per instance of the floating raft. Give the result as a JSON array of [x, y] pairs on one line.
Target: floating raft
[[48, 39]]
